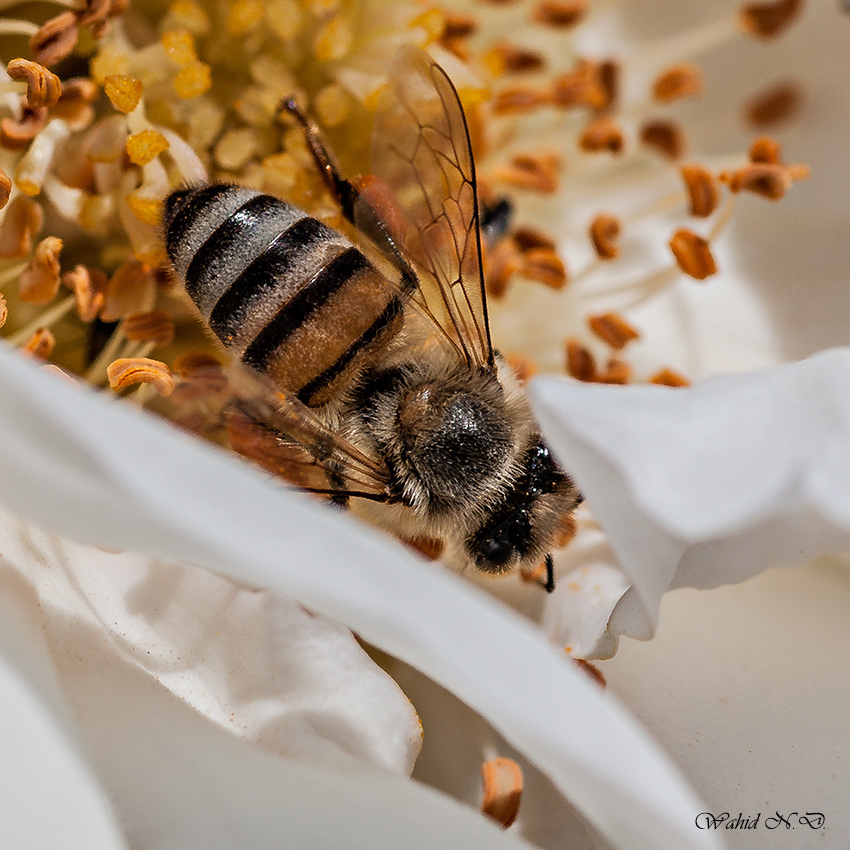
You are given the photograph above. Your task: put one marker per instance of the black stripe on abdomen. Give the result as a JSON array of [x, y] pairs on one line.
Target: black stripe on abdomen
[[267, 275], [185, 208], [228, 243], [312, 389], [306, 302]]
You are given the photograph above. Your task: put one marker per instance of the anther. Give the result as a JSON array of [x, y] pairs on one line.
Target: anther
[[680, 81], [581, 363], [560, 14], [775, 104], [665, 137], [545, 266], [518, 99], [591, 670], [123, 92], [536, 172], [43, 86], [667, 377], [40, 344], [156, 327], [765, 149], [604, 233], [768, 20], [55, 39], [503, 784], [602, 135], [616, 372], [693, 254], [507, 58], [769, 180], [581, 87], [40, 279], [89, 287], [129, 371], [703, 192], [613, 329]]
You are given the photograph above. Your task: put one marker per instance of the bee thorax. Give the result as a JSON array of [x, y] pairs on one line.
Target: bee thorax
[[446, 437], [456, 443]]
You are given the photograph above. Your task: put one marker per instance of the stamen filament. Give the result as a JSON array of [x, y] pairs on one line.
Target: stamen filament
[[12, 273], [16, 87], [73, 5], [723, 218], [45, 320], [659, 205], [140, 395], [652, 285], [96, 373], [13, 26], [689, 44]]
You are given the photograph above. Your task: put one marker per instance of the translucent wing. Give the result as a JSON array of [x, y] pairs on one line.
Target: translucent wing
[[421, 150], [284, 436]]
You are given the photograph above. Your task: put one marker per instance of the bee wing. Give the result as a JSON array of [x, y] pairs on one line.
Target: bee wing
[[421, 150], [275, 429]]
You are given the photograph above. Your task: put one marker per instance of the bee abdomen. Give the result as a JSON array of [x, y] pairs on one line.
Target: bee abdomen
[[290, 296]]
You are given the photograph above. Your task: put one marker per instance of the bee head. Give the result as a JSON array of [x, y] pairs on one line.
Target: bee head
[[525, 523]]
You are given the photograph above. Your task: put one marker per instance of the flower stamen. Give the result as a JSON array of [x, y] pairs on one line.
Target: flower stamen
[[503, 784]]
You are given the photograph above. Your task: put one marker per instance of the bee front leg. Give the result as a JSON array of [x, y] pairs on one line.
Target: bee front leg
[[368, 206], [342, 190], [549, 585]]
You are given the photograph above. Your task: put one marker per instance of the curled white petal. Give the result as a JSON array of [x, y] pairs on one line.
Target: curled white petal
[[174, 779], [120, 478], [710, 484], [250, 661]]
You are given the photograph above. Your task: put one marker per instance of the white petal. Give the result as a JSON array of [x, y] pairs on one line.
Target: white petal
[[106, 473], [748, 687], [710, 484], [176, 780], [256, 664], [49, 795], [589, 584]]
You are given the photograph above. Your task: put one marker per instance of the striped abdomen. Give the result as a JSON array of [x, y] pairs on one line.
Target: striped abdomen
[[288, 295]]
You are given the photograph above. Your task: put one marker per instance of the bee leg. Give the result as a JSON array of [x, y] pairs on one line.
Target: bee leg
[[363, 211], [549, 584], [495, 220], [342, 190]]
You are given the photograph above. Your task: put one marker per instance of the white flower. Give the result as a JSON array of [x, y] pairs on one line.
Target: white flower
[[149, 703]]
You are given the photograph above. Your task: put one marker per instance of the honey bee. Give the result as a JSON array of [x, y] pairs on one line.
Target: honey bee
[[387, 388]]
